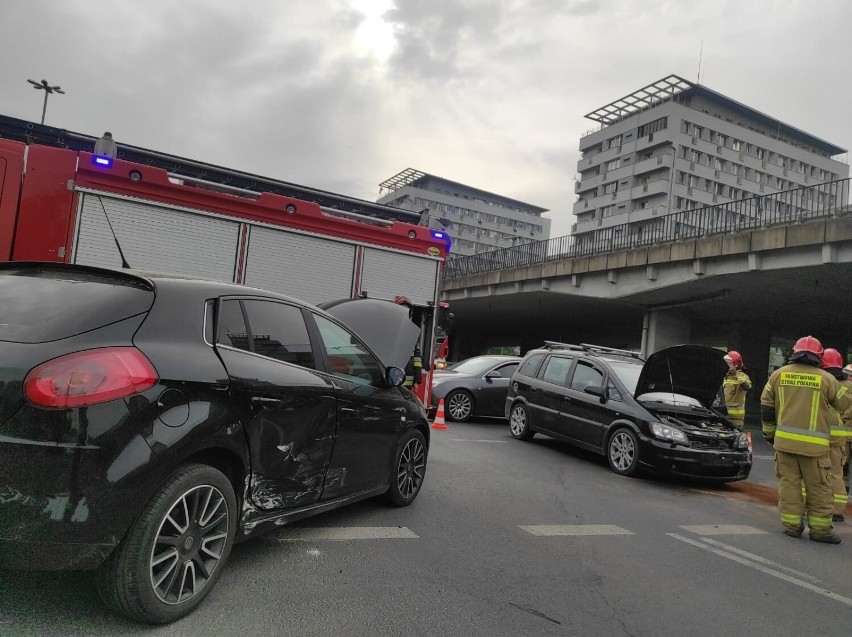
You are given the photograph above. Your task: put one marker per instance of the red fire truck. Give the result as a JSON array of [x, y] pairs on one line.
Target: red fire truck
[[60, 202]]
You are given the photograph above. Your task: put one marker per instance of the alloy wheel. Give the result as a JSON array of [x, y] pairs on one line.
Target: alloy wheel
[[518, 421], [189, 544], [622, 451], [412, 462], [460, 406]]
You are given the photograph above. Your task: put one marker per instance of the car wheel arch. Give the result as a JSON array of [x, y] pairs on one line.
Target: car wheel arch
[[615, 426]]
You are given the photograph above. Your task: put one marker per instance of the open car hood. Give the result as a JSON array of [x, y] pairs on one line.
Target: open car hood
[[696, 371], [383, 325]]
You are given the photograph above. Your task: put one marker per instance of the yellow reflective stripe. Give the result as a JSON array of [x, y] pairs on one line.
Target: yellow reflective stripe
[[768, 428], [814, 410], [732, 381], [819, 523], [780, 433], [840, 498], [736, 412], [791, 518], [780, 404]]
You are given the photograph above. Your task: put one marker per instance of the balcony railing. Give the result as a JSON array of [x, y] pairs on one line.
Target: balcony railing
[[824, 200]]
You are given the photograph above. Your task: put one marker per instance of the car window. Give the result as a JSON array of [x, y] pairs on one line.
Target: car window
[[232, 327], [531, 365], [347, 356], [585, 375], [278, 331], [506, 371], [612, 392], [556, 370], [475, 366], [627, 372]]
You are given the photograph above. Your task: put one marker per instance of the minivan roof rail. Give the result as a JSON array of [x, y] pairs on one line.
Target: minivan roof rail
[[586, 347]]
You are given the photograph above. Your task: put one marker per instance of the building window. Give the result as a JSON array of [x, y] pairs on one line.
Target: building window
[[610, 187], [614, 142], [653, 127]]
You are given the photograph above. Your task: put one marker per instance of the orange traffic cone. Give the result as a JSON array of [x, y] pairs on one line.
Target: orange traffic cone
[[748, 435], [439, 422]]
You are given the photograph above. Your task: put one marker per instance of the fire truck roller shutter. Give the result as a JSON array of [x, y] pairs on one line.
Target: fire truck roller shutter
[[306, 267], [388, 274], [156, 238]]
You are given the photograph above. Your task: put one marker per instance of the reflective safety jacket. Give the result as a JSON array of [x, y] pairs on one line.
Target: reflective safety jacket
[[842, 430], [734, 388], [799, 405]]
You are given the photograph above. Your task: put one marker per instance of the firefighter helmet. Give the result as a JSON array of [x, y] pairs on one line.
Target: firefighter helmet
[[735, 358], [808, 344], [831, 358]]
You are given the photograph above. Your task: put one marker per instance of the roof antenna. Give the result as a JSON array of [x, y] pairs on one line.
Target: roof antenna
[[700, 55], [124, 263]]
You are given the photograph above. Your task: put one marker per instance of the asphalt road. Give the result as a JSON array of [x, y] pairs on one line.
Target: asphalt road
[[506, 538]]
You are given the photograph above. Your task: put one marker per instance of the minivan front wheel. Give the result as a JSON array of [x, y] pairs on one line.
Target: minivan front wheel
[[623, 452], [174, 553], [519, 423]]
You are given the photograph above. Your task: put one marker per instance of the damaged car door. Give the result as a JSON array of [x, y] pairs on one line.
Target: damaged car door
[[287, 408]]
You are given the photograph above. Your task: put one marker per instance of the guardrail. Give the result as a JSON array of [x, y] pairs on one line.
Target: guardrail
[[829, 199]]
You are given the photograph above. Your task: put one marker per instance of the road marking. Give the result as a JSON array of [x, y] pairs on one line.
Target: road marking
[[764, 457], [763, 569], [345, 533], [723, 529], [546, 530], [505, 442], [762, 560]]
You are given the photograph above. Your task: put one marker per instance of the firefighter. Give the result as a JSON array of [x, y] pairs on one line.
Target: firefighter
[[734, 388], [838, 450], [797, 408]]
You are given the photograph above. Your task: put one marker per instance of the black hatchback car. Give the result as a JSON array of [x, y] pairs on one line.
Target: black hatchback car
[[148, 422], [654, 415]]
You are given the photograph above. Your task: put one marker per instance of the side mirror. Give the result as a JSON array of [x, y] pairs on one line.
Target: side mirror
[[492, 375], [394, 376], [595, 390]]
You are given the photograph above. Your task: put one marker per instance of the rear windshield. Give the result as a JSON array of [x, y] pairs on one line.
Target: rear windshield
[[37, 305]]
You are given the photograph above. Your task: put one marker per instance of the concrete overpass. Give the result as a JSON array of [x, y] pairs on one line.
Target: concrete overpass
[[746, 290]]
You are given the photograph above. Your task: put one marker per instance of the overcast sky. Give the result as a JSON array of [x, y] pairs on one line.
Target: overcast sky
[[342, 94]]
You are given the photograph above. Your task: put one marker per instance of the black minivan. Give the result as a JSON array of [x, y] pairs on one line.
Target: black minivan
[[653, 415]]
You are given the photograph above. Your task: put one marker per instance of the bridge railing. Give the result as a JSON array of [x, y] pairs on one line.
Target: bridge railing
[[829, 199]]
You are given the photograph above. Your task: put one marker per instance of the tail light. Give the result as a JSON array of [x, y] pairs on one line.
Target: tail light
[[89, 377]]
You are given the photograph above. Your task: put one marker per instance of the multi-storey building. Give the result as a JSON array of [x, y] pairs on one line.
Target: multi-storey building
[[675, 145], [477, 220]]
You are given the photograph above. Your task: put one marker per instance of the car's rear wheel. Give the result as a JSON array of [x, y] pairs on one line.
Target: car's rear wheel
[[459, 405], [409, 469], [519, 423], [176, 550], [623, 452]]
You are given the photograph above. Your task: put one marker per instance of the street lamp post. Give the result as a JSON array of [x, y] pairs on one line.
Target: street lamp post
[[48, 89]]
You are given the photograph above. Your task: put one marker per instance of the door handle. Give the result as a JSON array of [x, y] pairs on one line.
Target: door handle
[[567, 399], [533, 390], [349, 411], [263, 400]]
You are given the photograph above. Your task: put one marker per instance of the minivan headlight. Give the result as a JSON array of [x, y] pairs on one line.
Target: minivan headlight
[[742, 441], [664, 432]]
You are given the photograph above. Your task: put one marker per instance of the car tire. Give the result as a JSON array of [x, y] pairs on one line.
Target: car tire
[[459, 405], [519, 422], [622, 452], [409, 469], [156, 588]]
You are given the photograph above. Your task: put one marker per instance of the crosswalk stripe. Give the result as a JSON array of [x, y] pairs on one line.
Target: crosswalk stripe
[[546, 530], [345, 533], [723, 529], [504, 442]]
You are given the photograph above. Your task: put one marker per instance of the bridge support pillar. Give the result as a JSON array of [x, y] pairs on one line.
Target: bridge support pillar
[[663, 328], [753, 343]]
